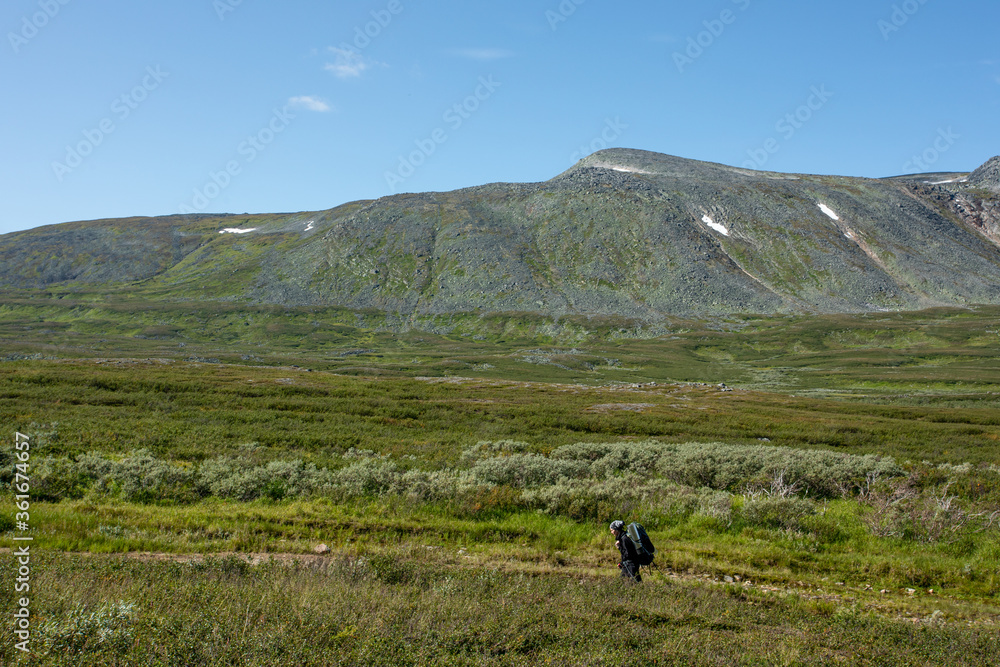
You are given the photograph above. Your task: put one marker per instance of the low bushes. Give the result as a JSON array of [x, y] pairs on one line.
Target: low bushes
[[232, 478], [770, 487], [898, 508], [109, 630]]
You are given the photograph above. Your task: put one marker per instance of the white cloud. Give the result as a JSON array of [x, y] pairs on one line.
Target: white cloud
[[309, 103], [348, 64], [483, 54]]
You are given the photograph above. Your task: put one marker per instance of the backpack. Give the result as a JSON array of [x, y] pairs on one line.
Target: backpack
[[643, 545]]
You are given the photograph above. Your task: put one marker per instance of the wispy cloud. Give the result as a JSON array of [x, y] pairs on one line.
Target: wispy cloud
[[347, 64], [482, 54], [310, 103]]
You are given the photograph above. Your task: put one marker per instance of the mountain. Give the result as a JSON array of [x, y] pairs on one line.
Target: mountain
[[623, 232]]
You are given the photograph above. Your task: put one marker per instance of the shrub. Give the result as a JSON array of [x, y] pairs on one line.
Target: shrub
[[231, 478], [353, 453], [368, 477], [897, 509], [55, 479], [141, 477], [107, 629], [434, 486], [725, 467], [526, 470], [590, 500], [584, 500], [615, 459], [776, 511], [716, 505], [486, 448], [94, 465], [7, 463], [585, 451]]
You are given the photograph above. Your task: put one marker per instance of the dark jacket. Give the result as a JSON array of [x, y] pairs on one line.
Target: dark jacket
[[630, 558], [627, 548]]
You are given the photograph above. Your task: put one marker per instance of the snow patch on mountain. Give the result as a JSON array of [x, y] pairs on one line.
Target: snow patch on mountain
[[714, 225], [829, 211]]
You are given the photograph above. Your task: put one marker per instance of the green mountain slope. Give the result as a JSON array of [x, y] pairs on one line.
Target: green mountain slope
[[625, 233]]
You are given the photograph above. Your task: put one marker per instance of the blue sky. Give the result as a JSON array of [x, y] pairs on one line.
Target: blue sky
[[130, 107]]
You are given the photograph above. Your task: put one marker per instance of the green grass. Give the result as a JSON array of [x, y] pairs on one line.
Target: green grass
[[833, 547], [881, 356], [189, 410], [484, 577], [97, 610]]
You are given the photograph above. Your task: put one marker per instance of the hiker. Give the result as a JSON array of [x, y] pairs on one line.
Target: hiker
[[629, 564]]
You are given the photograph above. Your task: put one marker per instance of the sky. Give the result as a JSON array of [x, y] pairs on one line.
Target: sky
[[124, 108]]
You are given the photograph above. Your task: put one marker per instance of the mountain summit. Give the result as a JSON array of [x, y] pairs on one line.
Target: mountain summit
[[987, 176], [622, 233]]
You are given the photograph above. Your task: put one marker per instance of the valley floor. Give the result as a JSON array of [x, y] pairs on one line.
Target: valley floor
[[821, 491]]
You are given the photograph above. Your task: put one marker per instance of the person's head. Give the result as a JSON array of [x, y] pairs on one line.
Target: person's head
[[617, 528]]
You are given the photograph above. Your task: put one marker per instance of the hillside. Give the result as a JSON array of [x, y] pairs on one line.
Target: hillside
[[622, 233]]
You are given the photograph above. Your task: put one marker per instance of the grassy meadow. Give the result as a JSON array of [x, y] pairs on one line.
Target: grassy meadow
[[836, 501]]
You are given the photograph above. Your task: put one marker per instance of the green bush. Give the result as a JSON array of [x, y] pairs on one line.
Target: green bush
[[232, 478], [620, 458], [141, 477], [368, 477], [487, 448], [108, 629], [434, 486], [7, 463], [776, 512], [55, 479], [526, 470], [899, 509], [727, 467]]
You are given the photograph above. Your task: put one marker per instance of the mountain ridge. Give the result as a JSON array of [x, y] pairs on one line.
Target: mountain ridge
[[623, 232]]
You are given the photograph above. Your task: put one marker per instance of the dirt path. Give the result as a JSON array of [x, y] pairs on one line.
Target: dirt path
[[886, 603]]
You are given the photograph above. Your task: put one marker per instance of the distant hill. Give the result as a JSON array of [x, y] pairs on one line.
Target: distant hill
[[623, 232]]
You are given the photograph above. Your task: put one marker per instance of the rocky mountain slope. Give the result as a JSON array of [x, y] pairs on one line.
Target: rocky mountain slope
[[623, 232]]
